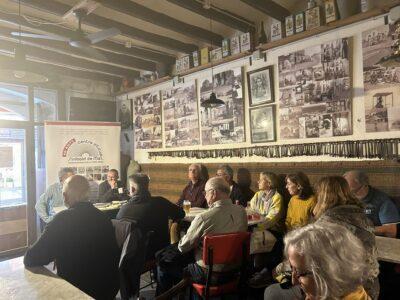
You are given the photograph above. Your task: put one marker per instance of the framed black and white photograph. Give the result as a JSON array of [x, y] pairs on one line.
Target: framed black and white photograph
[[125, 114], [195, 55], [262, 124], [216, 54], [225, 47], [245, 42], [289, 25], [178, 65], [235, 45], [224, 124], [276, 31], [185, 63], [313, 18], [261, 86], [299, 22], [330, 11]]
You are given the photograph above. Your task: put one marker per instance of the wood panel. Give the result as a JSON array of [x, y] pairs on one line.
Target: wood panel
[[13, 241], [13, 228], [168, 180]]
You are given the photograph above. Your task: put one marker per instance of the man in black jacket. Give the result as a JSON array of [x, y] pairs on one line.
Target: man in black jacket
[[236, 195], [112, 189], [150, 213], [81, 241]]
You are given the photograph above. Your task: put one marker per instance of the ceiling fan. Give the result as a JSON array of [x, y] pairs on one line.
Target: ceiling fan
[[78, 39]]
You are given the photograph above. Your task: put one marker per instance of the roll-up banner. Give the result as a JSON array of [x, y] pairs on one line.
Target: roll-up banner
[[89, 148]]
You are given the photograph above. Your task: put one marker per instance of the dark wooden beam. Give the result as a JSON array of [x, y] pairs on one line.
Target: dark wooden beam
[[60, 9], [52, 70], [66, 60], [142, 12], [270, 8], [106, 45], [219, 15], [122, 60]]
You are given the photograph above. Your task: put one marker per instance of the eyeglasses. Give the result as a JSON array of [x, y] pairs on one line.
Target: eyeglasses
[[206, 191], [297, 274]]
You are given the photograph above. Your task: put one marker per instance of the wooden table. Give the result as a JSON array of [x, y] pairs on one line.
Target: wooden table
[[388, 249], [18, 283], [110, 208]]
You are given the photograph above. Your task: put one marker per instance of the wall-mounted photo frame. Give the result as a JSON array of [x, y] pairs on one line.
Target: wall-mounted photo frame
[[235, 45], [276, 31], [262, 124], [245, 42], [313, 18], [261, 86], [216, 54], [299, 21], [330, 11], [225, 47], [289, 25]]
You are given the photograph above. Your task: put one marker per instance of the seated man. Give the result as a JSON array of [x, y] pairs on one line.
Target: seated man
[[52, 197], [150, 213], [112, 189], [193, 191], [379, 208], [81, 241], [221, 217], [236, 195]]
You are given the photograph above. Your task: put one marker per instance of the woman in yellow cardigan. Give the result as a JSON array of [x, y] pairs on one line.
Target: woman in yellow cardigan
[[269, 204], [302, 202]]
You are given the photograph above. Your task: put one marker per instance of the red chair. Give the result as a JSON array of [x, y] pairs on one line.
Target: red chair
[[229, 248]]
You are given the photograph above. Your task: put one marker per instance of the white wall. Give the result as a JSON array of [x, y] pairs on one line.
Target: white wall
[[354, 31]]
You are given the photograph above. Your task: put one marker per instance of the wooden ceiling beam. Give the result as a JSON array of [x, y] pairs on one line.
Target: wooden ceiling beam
[[51, 70], [118, 59], [142, 12], [99, 22], [270, 8], [216, 14], [106, 45], [66, 60]]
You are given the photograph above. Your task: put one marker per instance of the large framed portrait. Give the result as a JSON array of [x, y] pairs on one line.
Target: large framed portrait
[[262, 124], [261, 86]]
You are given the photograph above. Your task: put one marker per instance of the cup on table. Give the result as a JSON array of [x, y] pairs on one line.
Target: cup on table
[[186, 206], [120, 190]]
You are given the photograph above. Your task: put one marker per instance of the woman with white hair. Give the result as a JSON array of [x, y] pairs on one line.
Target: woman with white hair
[[325, 261]]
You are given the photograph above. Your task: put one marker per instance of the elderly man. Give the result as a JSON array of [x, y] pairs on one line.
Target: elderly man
[[221, 217], [81, 241], [150, 213], [193, 191], [52, 197], [236, 195], [378, 206], [112, 189]]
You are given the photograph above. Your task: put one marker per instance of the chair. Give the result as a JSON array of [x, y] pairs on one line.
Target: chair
[[149, 264], [229, 248]]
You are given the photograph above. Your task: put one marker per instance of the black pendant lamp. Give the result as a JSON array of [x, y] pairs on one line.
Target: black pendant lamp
[[213, 101]]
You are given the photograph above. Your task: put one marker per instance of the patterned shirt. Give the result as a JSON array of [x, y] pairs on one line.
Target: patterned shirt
[[51, 198]]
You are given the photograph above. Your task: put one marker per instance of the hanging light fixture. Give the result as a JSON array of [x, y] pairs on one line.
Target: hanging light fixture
[[213, 101], [17, 70]]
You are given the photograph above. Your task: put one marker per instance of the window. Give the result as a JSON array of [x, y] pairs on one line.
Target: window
[[45, 104], [14, 102]]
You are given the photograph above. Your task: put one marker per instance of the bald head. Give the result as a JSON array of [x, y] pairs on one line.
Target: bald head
[[75, 189], [216, 189]]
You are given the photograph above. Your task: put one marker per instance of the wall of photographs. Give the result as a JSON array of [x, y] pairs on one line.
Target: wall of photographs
[[311, 91]]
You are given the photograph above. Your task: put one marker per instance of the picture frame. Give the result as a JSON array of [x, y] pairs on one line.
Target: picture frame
[[313, 18], [299, 22], [178, 65], [330, 11], [195, 55], [204, 58], [185, 64], [235, 45], [289, 25], [245, 43], [276, 31], [261, 86], [216, 54], [225, 47], [262, 124]]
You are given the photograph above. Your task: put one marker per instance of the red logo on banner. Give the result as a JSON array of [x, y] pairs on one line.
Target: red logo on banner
[[66, 147]]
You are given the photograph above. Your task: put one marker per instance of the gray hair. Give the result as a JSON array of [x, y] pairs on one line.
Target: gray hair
[[272, 179], [197, 166], [219, 184], [77, 188], [333, 254], [141, 181], [227, 169], [360, 176], [65, 171]]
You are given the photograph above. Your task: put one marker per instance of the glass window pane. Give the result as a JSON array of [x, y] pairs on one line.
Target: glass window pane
[[12, 167], [45, 104], [13, 102]]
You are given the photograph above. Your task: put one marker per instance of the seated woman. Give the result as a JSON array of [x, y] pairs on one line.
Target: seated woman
[[269, 204], [333, 273], [336, 204], [301, 203]]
